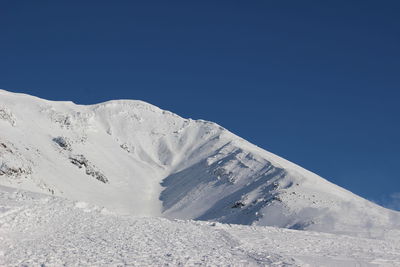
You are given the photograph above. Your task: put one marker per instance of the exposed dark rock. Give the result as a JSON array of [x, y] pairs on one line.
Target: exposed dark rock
[[238, 205], [62, 142], [81, 161], [13, 171], [6, 115]]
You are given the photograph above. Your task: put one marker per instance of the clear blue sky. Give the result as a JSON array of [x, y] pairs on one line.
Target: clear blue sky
[[317, 82]]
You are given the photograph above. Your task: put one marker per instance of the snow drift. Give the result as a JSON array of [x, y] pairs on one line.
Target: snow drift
[[134, 158]]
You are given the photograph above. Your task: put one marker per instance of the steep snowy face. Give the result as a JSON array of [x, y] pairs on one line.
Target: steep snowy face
[[113, 154], [135, 158]]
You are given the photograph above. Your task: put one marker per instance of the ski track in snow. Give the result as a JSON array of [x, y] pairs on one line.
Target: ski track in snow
[[41, 230]]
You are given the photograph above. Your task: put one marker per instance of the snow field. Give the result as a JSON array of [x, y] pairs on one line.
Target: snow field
[[40, 230]]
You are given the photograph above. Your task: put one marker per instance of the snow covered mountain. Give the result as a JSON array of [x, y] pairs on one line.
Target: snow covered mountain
[[134, 158]]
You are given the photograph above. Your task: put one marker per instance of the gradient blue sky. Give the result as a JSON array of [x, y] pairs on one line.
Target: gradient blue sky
[[317, 82]]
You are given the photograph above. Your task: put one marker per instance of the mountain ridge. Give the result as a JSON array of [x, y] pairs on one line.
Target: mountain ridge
[[133, 157]]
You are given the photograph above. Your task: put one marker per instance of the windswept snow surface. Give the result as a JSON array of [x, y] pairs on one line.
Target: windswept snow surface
[[136, 159], [41, 230]]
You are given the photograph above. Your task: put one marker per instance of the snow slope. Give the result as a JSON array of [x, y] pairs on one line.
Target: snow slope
[[134, 158], [40, 230]]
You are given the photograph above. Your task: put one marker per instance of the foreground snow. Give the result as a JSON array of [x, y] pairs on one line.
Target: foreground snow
[[38, 229]]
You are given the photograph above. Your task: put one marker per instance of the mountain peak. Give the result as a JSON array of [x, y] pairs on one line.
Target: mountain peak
[[132, 157]]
